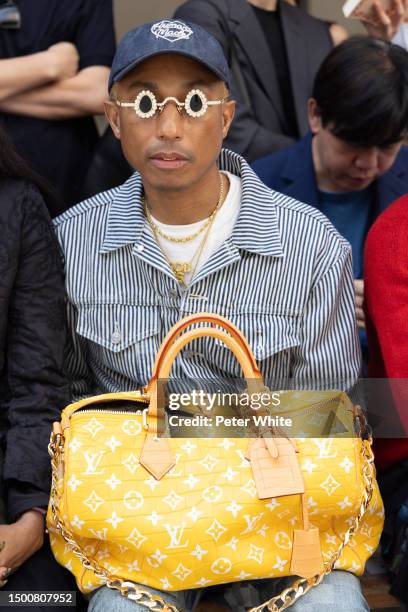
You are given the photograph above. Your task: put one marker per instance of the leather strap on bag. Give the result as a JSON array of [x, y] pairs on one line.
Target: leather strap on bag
[[200, 317], [171, 348], [156, 456]]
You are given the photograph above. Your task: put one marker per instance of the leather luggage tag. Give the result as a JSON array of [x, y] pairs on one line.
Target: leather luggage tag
[[307, 560], [156, 456], [275, 475]]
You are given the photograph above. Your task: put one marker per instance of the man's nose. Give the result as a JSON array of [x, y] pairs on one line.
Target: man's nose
[[170, 121], [367, 159]]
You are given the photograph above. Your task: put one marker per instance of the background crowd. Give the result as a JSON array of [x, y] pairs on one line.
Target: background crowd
[[321, 118]]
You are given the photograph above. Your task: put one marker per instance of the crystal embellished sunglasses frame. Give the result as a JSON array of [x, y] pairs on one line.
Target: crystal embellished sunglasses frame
[[158, 106]]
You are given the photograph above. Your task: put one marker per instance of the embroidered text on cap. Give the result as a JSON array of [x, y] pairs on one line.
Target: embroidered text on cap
[[171, 31]]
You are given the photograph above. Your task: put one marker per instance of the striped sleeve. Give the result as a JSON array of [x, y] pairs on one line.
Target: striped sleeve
[[329, 351], [76, 363]]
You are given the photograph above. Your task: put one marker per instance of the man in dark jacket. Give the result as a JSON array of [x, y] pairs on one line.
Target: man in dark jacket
[[353, 164], [274, 50]]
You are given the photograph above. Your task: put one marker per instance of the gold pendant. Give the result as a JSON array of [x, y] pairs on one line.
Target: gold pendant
[[180, 270]]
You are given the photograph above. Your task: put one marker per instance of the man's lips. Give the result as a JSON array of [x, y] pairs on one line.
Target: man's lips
[[362, 178], [168, 160]]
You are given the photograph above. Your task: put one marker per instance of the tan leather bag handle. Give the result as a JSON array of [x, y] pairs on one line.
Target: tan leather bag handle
[[200, 317], [252, 375], [170, 338]]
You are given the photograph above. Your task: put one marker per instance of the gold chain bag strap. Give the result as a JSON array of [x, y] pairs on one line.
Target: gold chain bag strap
[[158, 456]]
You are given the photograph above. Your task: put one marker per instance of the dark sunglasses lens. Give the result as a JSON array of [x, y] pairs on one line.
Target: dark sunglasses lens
[[196, 103], [145, 104]]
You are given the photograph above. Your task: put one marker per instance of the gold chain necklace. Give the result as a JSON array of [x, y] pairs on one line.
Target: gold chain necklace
[[200, 250], [160, 233], [180, 269]]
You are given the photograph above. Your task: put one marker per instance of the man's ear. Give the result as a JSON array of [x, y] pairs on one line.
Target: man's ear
[[113, 116], [228, 112], [315, 122]]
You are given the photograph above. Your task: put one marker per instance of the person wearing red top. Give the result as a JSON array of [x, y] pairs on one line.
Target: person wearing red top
[[386, 305]]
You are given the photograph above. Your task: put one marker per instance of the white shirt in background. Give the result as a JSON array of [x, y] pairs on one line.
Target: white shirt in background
[[401, 37]]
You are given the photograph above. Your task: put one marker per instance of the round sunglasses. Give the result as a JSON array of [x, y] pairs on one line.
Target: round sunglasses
[[195, 103]]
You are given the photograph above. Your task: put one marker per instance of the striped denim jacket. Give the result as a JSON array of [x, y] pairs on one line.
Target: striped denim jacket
[[284, 277]]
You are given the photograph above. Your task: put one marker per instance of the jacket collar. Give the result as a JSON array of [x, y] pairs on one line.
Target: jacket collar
[[393, 184], [125, 217], [256, 229], [299, 175]]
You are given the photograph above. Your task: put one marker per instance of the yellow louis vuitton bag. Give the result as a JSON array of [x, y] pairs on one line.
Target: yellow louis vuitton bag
[[129, 505]]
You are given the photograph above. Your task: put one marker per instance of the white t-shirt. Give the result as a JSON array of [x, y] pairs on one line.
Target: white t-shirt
[[187, 252]]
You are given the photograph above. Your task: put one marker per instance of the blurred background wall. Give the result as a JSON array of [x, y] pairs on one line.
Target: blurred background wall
[[330, 10], [129, 13]]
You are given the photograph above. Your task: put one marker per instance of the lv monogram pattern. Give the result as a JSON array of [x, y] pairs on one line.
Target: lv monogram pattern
[[202, 523]]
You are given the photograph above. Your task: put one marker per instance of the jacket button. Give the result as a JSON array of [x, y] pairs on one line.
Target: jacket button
[[116, 337]]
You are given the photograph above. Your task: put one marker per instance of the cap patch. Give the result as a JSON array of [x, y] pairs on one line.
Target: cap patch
[[172, 31]]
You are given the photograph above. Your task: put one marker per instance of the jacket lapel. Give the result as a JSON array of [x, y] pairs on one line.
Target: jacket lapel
[[298, 174], [297, 61], [249, 35], [393, 184]]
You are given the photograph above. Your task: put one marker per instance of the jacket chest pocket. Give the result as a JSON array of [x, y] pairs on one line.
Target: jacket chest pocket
[[123, 338], [272, 338]]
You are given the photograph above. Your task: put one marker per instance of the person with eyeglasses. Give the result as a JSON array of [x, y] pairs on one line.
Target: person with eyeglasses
[[353, 163], [54, 64], [193, 229]]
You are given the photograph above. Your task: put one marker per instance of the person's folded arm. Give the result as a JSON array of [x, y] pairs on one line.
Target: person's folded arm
[[78, 96], [21, 74]]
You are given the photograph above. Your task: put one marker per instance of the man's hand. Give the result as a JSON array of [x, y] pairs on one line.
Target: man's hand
[[21, 540], [359, 290], [388, 22], [63, 60]]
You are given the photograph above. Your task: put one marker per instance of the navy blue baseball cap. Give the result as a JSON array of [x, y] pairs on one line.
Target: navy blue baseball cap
[[168, 36]]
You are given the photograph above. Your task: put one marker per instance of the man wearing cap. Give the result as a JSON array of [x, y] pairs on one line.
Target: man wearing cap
[[192, 231]]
